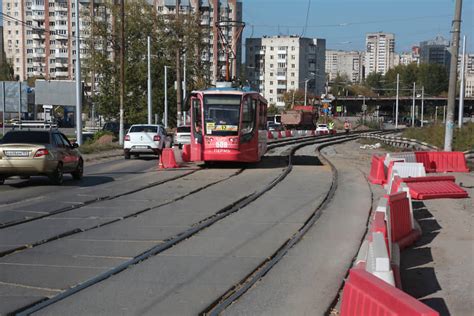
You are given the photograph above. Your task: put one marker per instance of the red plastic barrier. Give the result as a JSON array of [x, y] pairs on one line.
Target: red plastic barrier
[[441, 161], [186, 154], [280, 135], [313, 132], [400, 216], [365, 294], [167, 159], [288, 133], [424, 188], [423, 157], [377, 170], [269, 135]]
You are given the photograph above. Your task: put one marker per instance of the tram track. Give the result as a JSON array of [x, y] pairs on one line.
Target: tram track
[[77, 207], [194, 229]]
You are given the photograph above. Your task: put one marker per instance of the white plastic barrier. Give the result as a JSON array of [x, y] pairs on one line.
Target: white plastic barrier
[[275, 135], [406, 170], [382, 206], [362, 254], [406, 156], [378, 261]]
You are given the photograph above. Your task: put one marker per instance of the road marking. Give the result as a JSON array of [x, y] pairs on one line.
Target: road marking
[[102, 257], [49, 265], [30, 287]]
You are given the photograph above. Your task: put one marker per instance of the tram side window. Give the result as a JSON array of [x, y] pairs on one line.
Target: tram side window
[[248, 115]]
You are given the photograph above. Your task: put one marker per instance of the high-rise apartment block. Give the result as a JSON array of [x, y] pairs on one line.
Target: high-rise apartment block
[[435, 51], [212, 11], [344, 63], [279, 64], [39, 38], [380, 52], [39, 35], [407, 58]]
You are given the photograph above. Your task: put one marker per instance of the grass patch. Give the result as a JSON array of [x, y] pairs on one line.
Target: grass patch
[[463, 139]]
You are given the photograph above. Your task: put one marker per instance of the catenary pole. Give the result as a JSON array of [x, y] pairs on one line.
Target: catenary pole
[[422, 103], [413, 106], [166, 98], [78, 78], [461, 93], [149, 79], [122, 68], [396, 101], [456, 30]]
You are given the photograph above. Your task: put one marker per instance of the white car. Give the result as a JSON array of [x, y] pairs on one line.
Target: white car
[[182, 136], [322, 129], [144, 139]]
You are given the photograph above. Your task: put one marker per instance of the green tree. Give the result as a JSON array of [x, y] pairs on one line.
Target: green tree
[[339, 85], [141, 21], [6, 71], [374, 81], [434, 78]]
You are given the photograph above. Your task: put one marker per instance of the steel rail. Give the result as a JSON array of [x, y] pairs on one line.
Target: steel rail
[[176, 239], [236, 291]]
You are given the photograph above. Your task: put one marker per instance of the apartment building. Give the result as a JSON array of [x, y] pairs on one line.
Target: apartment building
[[39, 37], [407, 58], [435, 51], [468, 74], [345, 63], [380, 52], [212, 11], [278, 64]]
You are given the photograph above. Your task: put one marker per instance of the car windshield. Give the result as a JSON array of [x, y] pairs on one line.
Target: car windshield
[[26, 137], [183, 129], [222, 115], [143, 129], [322, 125]]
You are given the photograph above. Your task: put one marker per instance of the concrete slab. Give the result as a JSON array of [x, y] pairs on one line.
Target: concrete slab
[[14, 296], [308, 278]]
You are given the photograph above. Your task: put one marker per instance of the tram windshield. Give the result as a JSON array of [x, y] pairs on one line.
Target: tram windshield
[[222, 115]]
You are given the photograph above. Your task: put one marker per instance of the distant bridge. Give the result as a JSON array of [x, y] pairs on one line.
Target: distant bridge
[[387, 104]]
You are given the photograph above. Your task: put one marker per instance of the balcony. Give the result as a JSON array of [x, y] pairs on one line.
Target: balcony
[[281, 77], [58, 54], [37, 7], [62, 74], [38, 54], [281, 86], [282, 61]]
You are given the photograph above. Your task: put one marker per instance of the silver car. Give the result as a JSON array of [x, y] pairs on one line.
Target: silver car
[[182, 136]]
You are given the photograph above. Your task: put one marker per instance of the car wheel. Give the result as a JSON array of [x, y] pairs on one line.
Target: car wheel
[[180, 146], [57, 177], [136, 155], [126, 155], [77, 174], [2, 181]]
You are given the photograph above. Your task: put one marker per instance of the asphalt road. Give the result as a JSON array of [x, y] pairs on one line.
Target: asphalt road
[[62, 250]]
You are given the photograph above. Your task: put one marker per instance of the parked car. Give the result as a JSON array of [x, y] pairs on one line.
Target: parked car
[[182, 135], [28, 153], [144, 139], [322, 129], [114, 127]]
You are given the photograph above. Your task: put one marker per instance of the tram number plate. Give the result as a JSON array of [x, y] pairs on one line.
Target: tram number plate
[[222, 145]]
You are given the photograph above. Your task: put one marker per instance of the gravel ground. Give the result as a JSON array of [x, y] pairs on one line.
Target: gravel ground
[[439, 269]]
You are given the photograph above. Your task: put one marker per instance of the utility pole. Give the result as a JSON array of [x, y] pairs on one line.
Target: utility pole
[[78, 79], [396, 102], [122, 67], [448, 139], [305, 90], [461, 93], [149, 79], [178, 69], [165, 114], [436, 114], [422, 103], [413, 106]]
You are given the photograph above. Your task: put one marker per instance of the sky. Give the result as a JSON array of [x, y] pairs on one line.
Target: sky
[[344, 23]]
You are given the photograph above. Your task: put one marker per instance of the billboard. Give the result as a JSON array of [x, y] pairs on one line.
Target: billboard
[[55, 92], [10, 96]]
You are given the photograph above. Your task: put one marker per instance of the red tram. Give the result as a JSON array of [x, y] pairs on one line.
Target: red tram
[[228, 124]]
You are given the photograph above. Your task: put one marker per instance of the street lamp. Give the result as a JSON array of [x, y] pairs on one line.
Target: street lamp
[[306, 86]]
